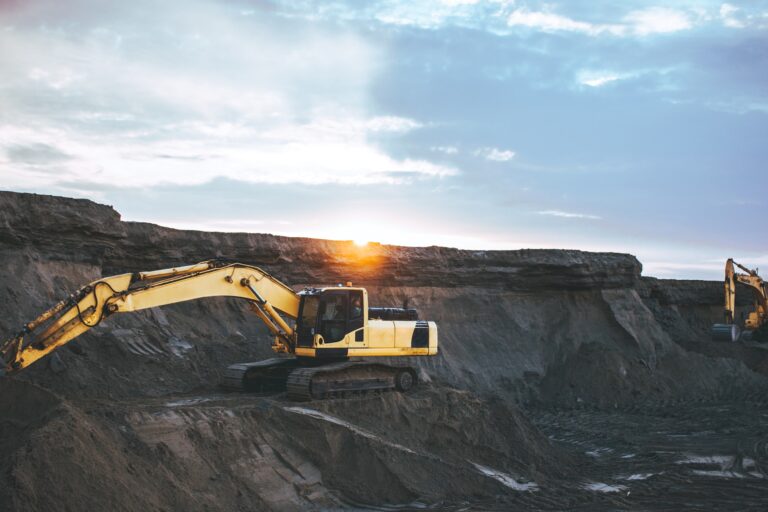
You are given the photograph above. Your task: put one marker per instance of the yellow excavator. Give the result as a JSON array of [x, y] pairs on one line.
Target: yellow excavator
[[756, 322], [319, 328]]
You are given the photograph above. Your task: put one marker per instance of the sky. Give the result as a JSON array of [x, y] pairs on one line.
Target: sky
[[628, 126]]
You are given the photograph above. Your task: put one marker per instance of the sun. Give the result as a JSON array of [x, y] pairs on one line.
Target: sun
[[360, 243]]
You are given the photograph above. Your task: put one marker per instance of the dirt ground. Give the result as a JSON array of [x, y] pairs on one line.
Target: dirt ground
[[255, 452], [432, 449], [565, 381]]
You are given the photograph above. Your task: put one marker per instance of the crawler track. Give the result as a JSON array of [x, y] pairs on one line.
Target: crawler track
[[312, 380], [343, 379], [266, 375]]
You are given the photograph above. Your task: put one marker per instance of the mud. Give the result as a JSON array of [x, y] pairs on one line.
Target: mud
[[566, 380]]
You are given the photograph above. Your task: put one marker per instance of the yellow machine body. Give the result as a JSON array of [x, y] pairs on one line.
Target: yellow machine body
[[366, 337]]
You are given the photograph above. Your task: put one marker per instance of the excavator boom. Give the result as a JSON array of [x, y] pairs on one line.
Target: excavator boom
[[89, 305]]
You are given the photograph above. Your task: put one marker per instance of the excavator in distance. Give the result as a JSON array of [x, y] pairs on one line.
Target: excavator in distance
[[319, 328], [756, 321]]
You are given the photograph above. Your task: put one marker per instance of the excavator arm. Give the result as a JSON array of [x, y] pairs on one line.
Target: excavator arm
[[269, 298], [730, 291]]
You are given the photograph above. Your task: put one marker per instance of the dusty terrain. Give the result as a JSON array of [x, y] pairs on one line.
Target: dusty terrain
[[565, 380]]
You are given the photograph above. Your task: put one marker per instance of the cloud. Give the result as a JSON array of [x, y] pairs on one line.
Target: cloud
[[727, 10], [454, 3], [754, 260], [658, 20], [728, 16], [595, 78], [568, 215], [290, 159], [448, 150], [56, 78], [552, 22], [426, 15], [495, 154], [235, 225], [498, 17], [106, 103], [392, 124], [35, 154], [749, 261], [653, 20], [598, 78]]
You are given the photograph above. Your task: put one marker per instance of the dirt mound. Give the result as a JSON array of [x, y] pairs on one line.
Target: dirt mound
[[240, 452], [443, 417], [54, 457], [456, 432], [24, 408]]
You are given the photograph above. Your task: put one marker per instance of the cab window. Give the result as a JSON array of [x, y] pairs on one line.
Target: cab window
[[356, 312], [334, 307], [333, 320], [355, 305]]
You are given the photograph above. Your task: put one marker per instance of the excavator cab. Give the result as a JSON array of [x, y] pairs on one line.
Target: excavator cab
[[326, 316]]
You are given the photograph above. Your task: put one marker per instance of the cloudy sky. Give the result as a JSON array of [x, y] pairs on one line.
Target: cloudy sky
[[598, 125]]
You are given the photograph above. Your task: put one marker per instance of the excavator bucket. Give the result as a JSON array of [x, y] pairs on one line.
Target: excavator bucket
[[725, 332], [7, 353]]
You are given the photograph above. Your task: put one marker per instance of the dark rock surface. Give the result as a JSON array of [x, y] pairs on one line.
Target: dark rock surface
[[60, 227]]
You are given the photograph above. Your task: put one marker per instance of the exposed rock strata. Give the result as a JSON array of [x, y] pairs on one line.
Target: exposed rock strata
[[506, 318]]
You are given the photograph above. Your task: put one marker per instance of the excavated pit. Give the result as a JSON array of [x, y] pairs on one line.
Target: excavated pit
[[565, 380]]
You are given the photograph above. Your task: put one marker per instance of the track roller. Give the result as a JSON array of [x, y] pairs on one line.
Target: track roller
[[405, 380]]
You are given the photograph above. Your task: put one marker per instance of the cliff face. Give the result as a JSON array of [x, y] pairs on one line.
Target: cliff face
[[303, 260], [567, 326]]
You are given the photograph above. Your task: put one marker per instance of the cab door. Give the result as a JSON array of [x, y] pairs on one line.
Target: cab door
[[356, 321]]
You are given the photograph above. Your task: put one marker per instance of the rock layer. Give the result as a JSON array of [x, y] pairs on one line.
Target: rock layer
[[506, 318]]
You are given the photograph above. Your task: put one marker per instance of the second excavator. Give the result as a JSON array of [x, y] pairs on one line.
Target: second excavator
[[319, 329], [755, 324]]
